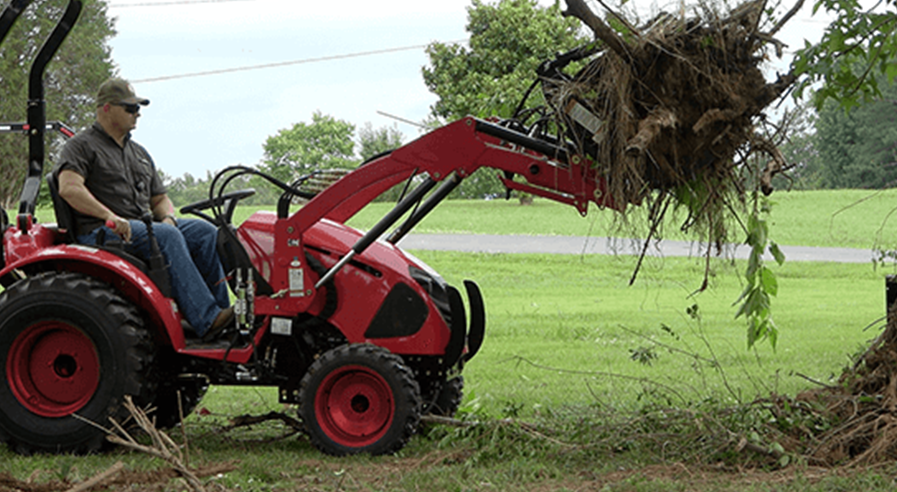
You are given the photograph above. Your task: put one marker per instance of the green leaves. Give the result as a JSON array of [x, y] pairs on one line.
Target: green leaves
[[857, 44], [760, 281], [508, 40], [856, 148], [324, 143]]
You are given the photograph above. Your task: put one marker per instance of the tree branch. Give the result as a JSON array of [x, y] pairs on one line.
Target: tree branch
[[579, 9], [791, 13]]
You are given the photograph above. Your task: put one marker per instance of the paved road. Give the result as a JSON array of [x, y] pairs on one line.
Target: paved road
[[575, 245]]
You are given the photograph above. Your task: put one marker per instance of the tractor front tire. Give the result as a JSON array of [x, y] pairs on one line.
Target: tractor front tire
[[69, 345], [359, 398]]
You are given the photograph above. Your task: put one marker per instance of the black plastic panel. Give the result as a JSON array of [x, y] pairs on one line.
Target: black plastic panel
[[402, 314]]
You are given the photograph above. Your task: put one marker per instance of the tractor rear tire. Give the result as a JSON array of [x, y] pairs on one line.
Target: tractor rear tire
[[359, 398], [69, 344]]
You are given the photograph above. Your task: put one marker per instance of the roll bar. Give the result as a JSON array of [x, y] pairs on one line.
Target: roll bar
[[37, 111]]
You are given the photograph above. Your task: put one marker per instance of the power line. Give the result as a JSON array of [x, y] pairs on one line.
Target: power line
[[173, 2], [287, 63]]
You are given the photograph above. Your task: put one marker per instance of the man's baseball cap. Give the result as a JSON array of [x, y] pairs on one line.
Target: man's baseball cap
[[115, 91]]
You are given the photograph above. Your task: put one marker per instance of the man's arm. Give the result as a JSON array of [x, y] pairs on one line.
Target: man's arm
[[163, 209], [73, 190]]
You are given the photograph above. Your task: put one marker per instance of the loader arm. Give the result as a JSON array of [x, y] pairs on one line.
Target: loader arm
[[449, 155], [462, 148]]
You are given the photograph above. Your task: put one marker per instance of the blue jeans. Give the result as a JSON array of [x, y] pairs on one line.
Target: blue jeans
[[198, 282]]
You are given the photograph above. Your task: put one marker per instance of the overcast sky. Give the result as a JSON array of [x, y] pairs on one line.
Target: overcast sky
[[202, 123]]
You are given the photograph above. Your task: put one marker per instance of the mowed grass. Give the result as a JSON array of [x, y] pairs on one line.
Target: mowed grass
[[580, 317], [562, 336], [826, 218]]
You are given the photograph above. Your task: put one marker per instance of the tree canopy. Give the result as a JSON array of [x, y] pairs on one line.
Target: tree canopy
[[508, 40], [858, 148], [857, 47], [374, 141], [71, 79], [326, 142]]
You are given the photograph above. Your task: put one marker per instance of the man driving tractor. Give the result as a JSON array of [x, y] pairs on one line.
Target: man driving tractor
[[110, 180]]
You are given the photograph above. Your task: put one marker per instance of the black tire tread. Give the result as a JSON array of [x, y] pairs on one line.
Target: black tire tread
[[449, 398], [140, 380], [375, 357]]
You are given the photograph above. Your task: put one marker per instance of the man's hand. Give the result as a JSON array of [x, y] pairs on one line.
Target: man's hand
[[121, 227]]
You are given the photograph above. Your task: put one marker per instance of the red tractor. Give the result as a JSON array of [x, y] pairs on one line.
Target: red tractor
[[358, 333]]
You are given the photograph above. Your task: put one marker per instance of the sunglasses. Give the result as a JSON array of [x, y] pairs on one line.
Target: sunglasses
[[129, 107]]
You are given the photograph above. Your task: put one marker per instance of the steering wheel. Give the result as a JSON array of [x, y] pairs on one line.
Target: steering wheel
[[228, 201]]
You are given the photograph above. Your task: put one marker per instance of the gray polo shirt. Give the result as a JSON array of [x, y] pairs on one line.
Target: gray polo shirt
[[122, 178]]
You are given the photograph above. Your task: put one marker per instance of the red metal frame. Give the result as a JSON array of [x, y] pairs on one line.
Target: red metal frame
[[455, 148]]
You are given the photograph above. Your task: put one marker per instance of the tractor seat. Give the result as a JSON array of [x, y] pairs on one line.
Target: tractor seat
[[66, 227], [65, 217]]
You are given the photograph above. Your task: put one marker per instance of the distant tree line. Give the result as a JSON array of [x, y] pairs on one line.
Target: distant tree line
[[846, 148]]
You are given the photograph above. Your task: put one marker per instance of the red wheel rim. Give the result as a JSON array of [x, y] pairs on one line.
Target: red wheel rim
[[53, 369], [355, 406]]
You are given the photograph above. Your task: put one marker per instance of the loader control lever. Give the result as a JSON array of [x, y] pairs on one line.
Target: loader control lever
[[158, 270]]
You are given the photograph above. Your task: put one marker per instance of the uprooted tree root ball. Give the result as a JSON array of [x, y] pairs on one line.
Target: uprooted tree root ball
[[671, 109]]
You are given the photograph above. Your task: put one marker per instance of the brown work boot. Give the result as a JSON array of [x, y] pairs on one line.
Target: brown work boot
[[224, 320]]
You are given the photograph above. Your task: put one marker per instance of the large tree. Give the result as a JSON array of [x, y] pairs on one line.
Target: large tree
[[83, 62], [325, 143], [508, 41]]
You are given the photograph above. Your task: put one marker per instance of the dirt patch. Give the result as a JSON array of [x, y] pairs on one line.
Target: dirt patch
[[159, 479]]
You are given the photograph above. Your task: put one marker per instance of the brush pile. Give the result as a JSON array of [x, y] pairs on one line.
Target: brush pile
[[667, 106], [859, 413]]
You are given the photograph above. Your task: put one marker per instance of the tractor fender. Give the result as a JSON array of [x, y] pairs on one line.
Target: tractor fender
[[127, 279]]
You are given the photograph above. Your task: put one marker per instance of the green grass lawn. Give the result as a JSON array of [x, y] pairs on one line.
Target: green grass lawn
[[580, 315], [564, 338]]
